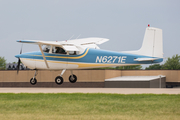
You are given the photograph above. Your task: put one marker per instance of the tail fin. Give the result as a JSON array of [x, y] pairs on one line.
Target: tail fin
[[152, 43]]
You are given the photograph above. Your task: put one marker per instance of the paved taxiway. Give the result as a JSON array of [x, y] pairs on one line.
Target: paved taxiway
[[93, 90]]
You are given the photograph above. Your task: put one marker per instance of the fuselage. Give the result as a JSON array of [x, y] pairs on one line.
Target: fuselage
[[90, 58]]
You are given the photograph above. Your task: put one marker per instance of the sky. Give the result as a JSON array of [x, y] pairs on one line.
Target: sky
[[122, 21]]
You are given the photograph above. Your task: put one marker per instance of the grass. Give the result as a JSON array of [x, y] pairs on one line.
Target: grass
[[88, 106]]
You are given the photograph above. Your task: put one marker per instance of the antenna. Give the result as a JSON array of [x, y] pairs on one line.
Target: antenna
[[71, 37], [78, 36]]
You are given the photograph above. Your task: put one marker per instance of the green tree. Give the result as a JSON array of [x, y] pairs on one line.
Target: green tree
[[154, 67], [172, 63], [14, 62], [133, 67], [2, 63]]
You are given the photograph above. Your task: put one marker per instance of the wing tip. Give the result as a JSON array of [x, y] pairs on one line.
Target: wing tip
[[27, 41]]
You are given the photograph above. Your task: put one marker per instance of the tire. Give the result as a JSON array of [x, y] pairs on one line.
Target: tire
[[72, 80], [33, 81], [59, 80]]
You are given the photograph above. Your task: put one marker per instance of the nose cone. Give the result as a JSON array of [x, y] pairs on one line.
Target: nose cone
[[18, 56]]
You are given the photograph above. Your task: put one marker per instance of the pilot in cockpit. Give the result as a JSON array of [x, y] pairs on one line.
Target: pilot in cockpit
[[60, 50], [46, 50]]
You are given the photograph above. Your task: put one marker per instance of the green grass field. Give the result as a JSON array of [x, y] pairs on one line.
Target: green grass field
[[89, 106]]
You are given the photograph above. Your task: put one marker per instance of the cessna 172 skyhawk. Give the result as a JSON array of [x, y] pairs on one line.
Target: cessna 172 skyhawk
[[84, 53]]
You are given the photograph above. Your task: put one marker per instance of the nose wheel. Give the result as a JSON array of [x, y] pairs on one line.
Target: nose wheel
[[72, 78], [33, 81], [59, 80]]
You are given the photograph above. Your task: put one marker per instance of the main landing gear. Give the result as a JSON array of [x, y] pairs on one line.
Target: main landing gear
[[59, 79], [72, 78]]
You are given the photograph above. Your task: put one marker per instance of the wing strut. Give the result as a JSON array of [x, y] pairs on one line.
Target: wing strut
[[43, 56]]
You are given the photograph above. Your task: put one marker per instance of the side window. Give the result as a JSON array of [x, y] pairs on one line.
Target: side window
[[73, 52], [59, 50]]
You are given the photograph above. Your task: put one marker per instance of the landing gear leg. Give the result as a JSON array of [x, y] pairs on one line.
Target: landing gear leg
[[72, 77], [33, 80], [59, 79]]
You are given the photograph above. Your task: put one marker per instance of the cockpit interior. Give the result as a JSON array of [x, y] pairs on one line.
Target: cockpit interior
[[58, 50]]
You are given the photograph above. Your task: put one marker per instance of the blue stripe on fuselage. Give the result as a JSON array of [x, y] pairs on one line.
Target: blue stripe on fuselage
[[93, 56]]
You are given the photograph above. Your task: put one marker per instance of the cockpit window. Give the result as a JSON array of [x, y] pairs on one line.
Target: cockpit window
[[73, 52], [59, 50], [46, 48]]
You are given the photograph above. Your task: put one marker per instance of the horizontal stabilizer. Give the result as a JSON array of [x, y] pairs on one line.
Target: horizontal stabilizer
[[145, 59]]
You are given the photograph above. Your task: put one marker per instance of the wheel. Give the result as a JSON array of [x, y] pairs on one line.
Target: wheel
[[73, 78], [59, 80], [33, 81]]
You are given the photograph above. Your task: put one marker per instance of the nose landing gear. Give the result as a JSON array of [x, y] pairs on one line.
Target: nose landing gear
[[33, 80]]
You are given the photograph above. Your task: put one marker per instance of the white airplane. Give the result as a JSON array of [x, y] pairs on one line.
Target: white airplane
[[84, 53]]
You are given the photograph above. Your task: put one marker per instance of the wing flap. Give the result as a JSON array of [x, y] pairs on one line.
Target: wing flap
[[70, 48], [86, 41]]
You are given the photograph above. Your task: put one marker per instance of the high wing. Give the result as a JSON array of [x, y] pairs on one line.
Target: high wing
[[68, 45], [84, 41]]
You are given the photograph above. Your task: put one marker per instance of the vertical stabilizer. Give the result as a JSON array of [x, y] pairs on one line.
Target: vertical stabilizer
[[152, 43]]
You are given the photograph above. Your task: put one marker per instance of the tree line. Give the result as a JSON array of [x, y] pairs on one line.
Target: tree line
[[170, 64], [2, 63]]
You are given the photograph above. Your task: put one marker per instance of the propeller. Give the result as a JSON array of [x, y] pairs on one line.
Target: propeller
[[19, 61]]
